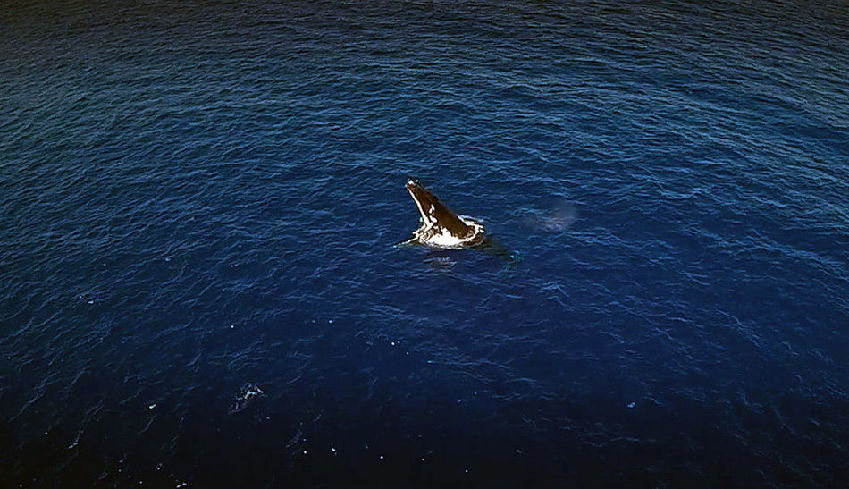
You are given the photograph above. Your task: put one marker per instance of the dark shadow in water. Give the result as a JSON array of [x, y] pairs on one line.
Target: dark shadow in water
[[337, 441]]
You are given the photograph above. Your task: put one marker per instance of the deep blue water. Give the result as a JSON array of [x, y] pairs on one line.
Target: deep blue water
[[202, 195]]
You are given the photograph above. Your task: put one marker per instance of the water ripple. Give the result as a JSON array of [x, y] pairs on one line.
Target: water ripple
[[197, 197]]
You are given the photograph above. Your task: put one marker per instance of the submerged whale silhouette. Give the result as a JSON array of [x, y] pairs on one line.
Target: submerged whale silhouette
[[442, 228]]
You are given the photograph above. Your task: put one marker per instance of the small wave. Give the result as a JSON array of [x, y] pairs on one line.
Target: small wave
[[245, 397]]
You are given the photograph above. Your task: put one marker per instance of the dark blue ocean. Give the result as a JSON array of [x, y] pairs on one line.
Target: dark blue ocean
[[200, 202]]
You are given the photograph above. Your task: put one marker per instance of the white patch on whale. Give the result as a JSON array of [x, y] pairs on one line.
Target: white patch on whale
[[440, 237]]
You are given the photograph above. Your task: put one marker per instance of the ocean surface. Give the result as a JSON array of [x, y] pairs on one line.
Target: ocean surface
[[200, 202]]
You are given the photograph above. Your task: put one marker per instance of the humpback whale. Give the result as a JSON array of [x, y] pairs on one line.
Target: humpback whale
[[441, 228]]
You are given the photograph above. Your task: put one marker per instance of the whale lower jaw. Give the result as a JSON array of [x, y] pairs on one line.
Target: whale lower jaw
[[438, 237]]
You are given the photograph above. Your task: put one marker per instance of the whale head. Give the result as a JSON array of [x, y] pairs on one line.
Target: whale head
[[440, 226]]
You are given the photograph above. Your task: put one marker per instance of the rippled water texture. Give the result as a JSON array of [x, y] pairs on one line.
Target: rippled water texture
[[199, 202]]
